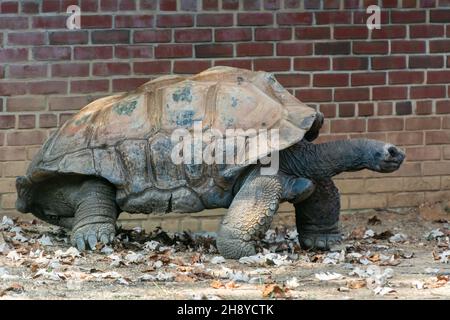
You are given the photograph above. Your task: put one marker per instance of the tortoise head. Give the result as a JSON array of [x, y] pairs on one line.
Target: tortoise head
[[383, 157]]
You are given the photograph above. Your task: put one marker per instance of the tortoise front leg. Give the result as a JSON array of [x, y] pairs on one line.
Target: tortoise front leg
[[317, 217], [96, 214], [252, 211]]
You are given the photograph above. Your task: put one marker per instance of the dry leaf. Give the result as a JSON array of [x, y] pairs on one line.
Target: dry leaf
[[374, 221], [216, 284], [375, 257], [356, 284], [273, 291], [231, 285], [357, 233], [184, 278]]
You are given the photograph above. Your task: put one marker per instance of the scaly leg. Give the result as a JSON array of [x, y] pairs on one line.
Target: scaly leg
[[318, 217], [96, 214]]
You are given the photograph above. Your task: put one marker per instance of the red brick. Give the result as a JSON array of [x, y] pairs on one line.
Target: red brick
[[13, 55], [96, 21], [254, 49], [427, 92], [403, 108], [48, 121], [28, 71], [188, 5], [214, 20], [47, 87], [255, 19], [423, 153], [405, 138], [365, 109], [405, 77], [9, 7], [426, 62], [135, 51], [386, 124], [389, 62], [152, 36], [330, 80], [427, 3], [87, 6], [445, 122], [424, 107], [346, 110], [110, 68], [237, 63], [127, 84], [70, 70], [311, 64], [439, 45], [213, 50], [408, 46], [351, 94], [173, 51], [333, 17], [51, 6], [440, 16], [233, 34], [230, 4], [272, 4], [110, 36], [27, 121], [168, 5], [69, 37], [30, 7], [443, 107], [312, 33], [47, 22], [19, 104], [331, 48], [314, 95], [294, 49], [25, 138], [151, 67], [370, 47], [328, 110], [390, 3], [423, 123], [191, 66], [26, 38], [209, 5], [89, 86], [426, 31], [193, 35], [12, 88], [389, 93], [351, 32], [384, 108], [274, 64], [350, 63], [148, 4], [368, 78], [437, 137], [293, 80], [7, 121], [273, 34], [13, 23], [91, 53], [134, 21], [67, 103], [438, 76], [347, 125], [109, 5], [51, 53], [252, 4], [408, 16], [125, 5], [174, 20], [291, 18], [389, 32]]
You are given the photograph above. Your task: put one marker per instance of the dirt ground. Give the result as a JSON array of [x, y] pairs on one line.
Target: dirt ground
[[385, 255]]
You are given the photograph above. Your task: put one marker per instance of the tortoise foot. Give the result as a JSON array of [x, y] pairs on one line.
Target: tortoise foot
[[89, 235], [319, 241]]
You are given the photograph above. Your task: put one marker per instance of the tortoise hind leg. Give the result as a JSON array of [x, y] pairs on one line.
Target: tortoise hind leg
[[96, 214], [317, 217]]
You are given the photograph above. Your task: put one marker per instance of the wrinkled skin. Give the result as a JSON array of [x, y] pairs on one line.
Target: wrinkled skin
[[87, 206]]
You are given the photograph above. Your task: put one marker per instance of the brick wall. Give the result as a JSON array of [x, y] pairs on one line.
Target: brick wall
[[390, 84]]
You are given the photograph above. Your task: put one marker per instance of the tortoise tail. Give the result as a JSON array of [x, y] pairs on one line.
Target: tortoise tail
[[23, 186]]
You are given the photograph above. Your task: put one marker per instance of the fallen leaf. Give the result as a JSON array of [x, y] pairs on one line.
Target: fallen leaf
[[356, 284], [383, 291], [273, 291], [216, 284], [231, 285], [184, 278], [374, 221], [357, 233], [383, 235], [327, 276]]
